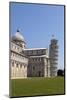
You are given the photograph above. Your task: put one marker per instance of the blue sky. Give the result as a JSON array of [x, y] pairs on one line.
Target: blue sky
[[37, 24]]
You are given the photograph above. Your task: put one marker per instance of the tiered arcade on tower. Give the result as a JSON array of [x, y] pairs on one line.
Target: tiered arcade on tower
[[53, 54]]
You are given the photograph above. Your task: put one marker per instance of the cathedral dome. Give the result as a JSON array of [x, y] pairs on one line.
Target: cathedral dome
[[18, 36]]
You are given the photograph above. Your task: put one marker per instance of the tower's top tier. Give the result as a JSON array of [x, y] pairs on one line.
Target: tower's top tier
[[54, 41]]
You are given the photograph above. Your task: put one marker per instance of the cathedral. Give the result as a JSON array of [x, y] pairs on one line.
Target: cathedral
[[32, 62]]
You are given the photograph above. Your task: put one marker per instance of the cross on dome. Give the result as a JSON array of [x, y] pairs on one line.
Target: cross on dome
[[18, 30]]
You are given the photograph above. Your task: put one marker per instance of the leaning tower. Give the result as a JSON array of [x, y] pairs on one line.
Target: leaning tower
[[53, 54]]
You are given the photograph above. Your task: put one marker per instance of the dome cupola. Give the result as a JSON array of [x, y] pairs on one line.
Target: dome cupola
[[19, 39], [18, 36]]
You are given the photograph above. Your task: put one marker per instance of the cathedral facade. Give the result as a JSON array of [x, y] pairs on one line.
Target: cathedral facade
[[32, 62]]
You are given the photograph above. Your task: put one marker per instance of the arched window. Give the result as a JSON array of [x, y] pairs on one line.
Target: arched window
[[24, 66], [20, 65], [13, 64], [33, 68], [17, 65]]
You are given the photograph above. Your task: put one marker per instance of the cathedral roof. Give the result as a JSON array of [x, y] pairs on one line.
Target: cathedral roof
[[18, 36]]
